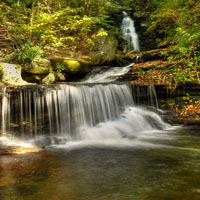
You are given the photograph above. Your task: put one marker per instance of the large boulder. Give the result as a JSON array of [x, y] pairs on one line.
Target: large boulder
[[37, 71], [39, 66], [11, 74], [104, 49], [102, 52]]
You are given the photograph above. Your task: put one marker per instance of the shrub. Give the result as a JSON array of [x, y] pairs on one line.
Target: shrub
[[25, 54]]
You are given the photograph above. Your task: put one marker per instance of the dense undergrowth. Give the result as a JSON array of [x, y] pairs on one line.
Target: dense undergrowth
[[47, 27], [174, 24]]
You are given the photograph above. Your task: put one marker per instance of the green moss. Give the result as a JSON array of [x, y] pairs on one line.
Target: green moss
[[40, 66], [72, 65], [60, 64]]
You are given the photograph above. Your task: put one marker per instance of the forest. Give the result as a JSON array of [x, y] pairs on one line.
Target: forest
[[77, 35], [44, 27], [99, 99], [73, 35]]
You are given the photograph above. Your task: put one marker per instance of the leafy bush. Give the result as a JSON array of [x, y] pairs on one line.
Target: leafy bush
[[25, 54]]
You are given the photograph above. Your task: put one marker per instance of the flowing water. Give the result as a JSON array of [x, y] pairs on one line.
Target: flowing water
[[108, 75], [68, 114], [129, 33], [97, 144]]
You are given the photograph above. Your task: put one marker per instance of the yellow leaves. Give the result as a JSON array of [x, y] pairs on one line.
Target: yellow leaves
[[103, 33], [86, 18], [44, 16], [191, 107], [89, 42], [69, 38]]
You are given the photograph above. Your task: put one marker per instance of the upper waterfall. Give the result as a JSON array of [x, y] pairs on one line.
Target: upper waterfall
[[129, 32]]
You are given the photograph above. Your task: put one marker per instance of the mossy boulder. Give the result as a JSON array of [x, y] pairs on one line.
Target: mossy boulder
[[104, 49], [11, 74], [63, 64], [39, 66], [102, 52]]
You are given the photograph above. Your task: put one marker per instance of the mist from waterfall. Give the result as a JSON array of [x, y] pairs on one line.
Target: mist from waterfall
[[129, 33]]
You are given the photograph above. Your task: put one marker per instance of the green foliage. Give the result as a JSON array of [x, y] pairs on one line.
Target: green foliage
[[72, 25], [30, 52], [55, 25], [68, 28], [59, 68], [1, 73], [26, 54], [175, 23], [62, 29]]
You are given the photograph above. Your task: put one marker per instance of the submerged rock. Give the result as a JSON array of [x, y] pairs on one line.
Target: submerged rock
[[11, 74]]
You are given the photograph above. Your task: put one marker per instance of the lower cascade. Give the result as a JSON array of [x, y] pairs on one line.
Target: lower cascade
[[63, 114]]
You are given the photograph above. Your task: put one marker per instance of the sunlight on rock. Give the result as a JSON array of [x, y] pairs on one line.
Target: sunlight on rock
[[9, 144], [22, 150]]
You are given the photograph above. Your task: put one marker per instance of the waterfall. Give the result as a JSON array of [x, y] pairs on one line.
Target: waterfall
[[5, 110], [72, 113], [129, 32]]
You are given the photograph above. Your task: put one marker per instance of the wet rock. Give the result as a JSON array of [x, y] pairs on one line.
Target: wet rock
[[49, 79], [11, 74]]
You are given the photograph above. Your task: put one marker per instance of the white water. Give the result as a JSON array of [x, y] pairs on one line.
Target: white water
[[80, 115], [132, 129], [108, 75], [129, 32], [5, 110]]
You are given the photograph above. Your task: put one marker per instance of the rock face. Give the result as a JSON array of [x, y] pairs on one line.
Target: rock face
[[104, 49], [40, 66], [11, 74]]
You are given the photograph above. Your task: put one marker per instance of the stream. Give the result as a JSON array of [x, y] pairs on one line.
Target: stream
[[169, 170]]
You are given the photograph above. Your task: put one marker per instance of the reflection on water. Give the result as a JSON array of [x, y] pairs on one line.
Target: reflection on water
[[90, 173]]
